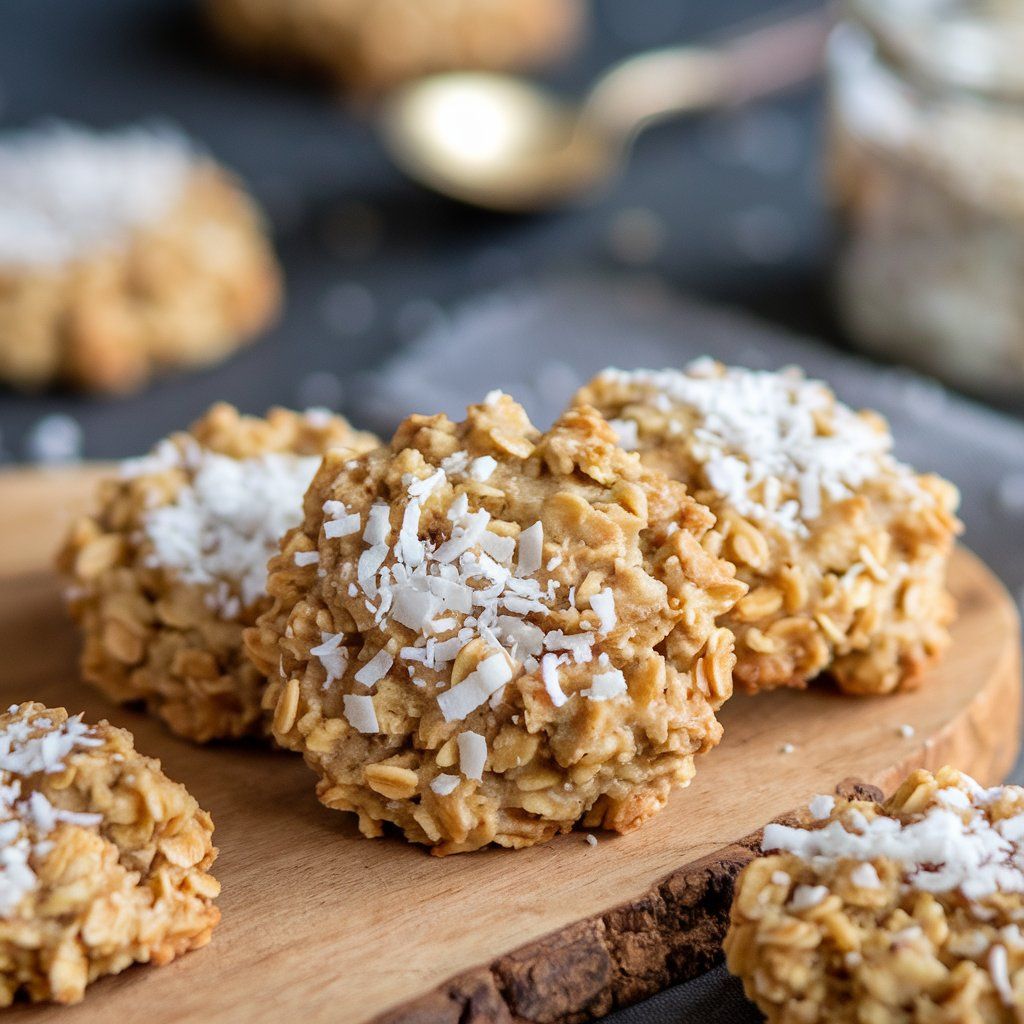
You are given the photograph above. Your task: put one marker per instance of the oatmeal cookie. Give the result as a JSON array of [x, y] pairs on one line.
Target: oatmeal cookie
[[906, 912], [167, 573], [373, 44], [122, 255], [502, 633], [844, 548], [105, 861]]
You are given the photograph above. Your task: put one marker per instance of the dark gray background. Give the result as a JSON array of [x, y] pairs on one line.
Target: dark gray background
[[737, 197], [398, 300]]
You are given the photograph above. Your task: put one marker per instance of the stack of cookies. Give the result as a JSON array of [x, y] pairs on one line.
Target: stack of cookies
[[481, 633]]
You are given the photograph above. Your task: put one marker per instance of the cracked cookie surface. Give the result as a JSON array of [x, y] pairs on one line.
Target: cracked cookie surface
[[170, 569], [902, 912], [105, 861], [485, 634], [844, 548]]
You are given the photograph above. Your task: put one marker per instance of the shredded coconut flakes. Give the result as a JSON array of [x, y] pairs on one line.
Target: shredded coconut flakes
[[66, 191], [472, 585], [952, 846], [360, 713], [821, 807], [807, 896], [29, 747], [443, 785], [472, 754], [224, 524], [757, 438]]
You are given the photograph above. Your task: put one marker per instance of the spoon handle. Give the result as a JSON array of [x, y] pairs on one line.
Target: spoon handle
[[684, 79]]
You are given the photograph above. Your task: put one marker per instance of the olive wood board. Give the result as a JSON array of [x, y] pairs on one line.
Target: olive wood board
[[320, 924]]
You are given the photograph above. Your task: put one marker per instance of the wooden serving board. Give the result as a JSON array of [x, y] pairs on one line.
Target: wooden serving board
[[322, 925]]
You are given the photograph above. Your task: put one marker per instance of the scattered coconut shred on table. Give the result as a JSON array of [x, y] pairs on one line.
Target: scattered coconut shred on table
[[485, 579]]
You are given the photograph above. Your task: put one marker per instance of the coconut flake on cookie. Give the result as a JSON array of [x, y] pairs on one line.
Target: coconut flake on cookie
[[759, 442], [952, 845], [29, 746], [225, 522], [66, 190]]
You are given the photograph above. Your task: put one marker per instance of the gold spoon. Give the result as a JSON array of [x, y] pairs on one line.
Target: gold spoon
[[503, 143]]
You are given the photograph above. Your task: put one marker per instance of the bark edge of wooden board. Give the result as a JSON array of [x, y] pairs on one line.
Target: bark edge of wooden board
[[673, 932], [604, 927]]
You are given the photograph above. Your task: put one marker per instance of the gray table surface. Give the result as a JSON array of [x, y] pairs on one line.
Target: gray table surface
[[729, 207]]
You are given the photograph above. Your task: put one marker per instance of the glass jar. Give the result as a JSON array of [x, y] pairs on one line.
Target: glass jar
[[926, 168]]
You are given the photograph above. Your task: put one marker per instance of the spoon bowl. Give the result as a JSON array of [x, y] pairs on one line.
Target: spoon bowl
[[494, 141], [504, 143]]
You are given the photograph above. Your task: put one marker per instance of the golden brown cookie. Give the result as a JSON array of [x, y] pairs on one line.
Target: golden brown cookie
[[171, 568], [372, 44], [843, 547], [123, 255], [500, 633], [105, 861], [907, 912]]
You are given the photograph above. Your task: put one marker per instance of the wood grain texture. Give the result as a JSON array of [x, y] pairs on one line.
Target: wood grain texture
[[322, 925]]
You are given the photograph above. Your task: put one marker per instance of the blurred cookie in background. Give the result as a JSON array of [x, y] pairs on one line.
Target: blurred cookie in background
[[373, 44], [123, 254]]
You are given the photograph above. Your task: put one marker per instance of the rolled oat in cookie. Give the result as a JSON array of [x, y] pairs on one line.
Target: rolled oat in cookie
[[104, 861], [374, 44], [123, 254], [903, 912], [844, 548], [507, 632], [172, 566]]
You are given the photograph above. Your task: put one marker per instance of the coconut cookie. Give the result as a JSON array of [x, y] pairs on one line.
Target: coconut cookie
[[123, 254], [104, 861], [844, 548], [483, 634], [168, 572], [372, 44], [898, 913]]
